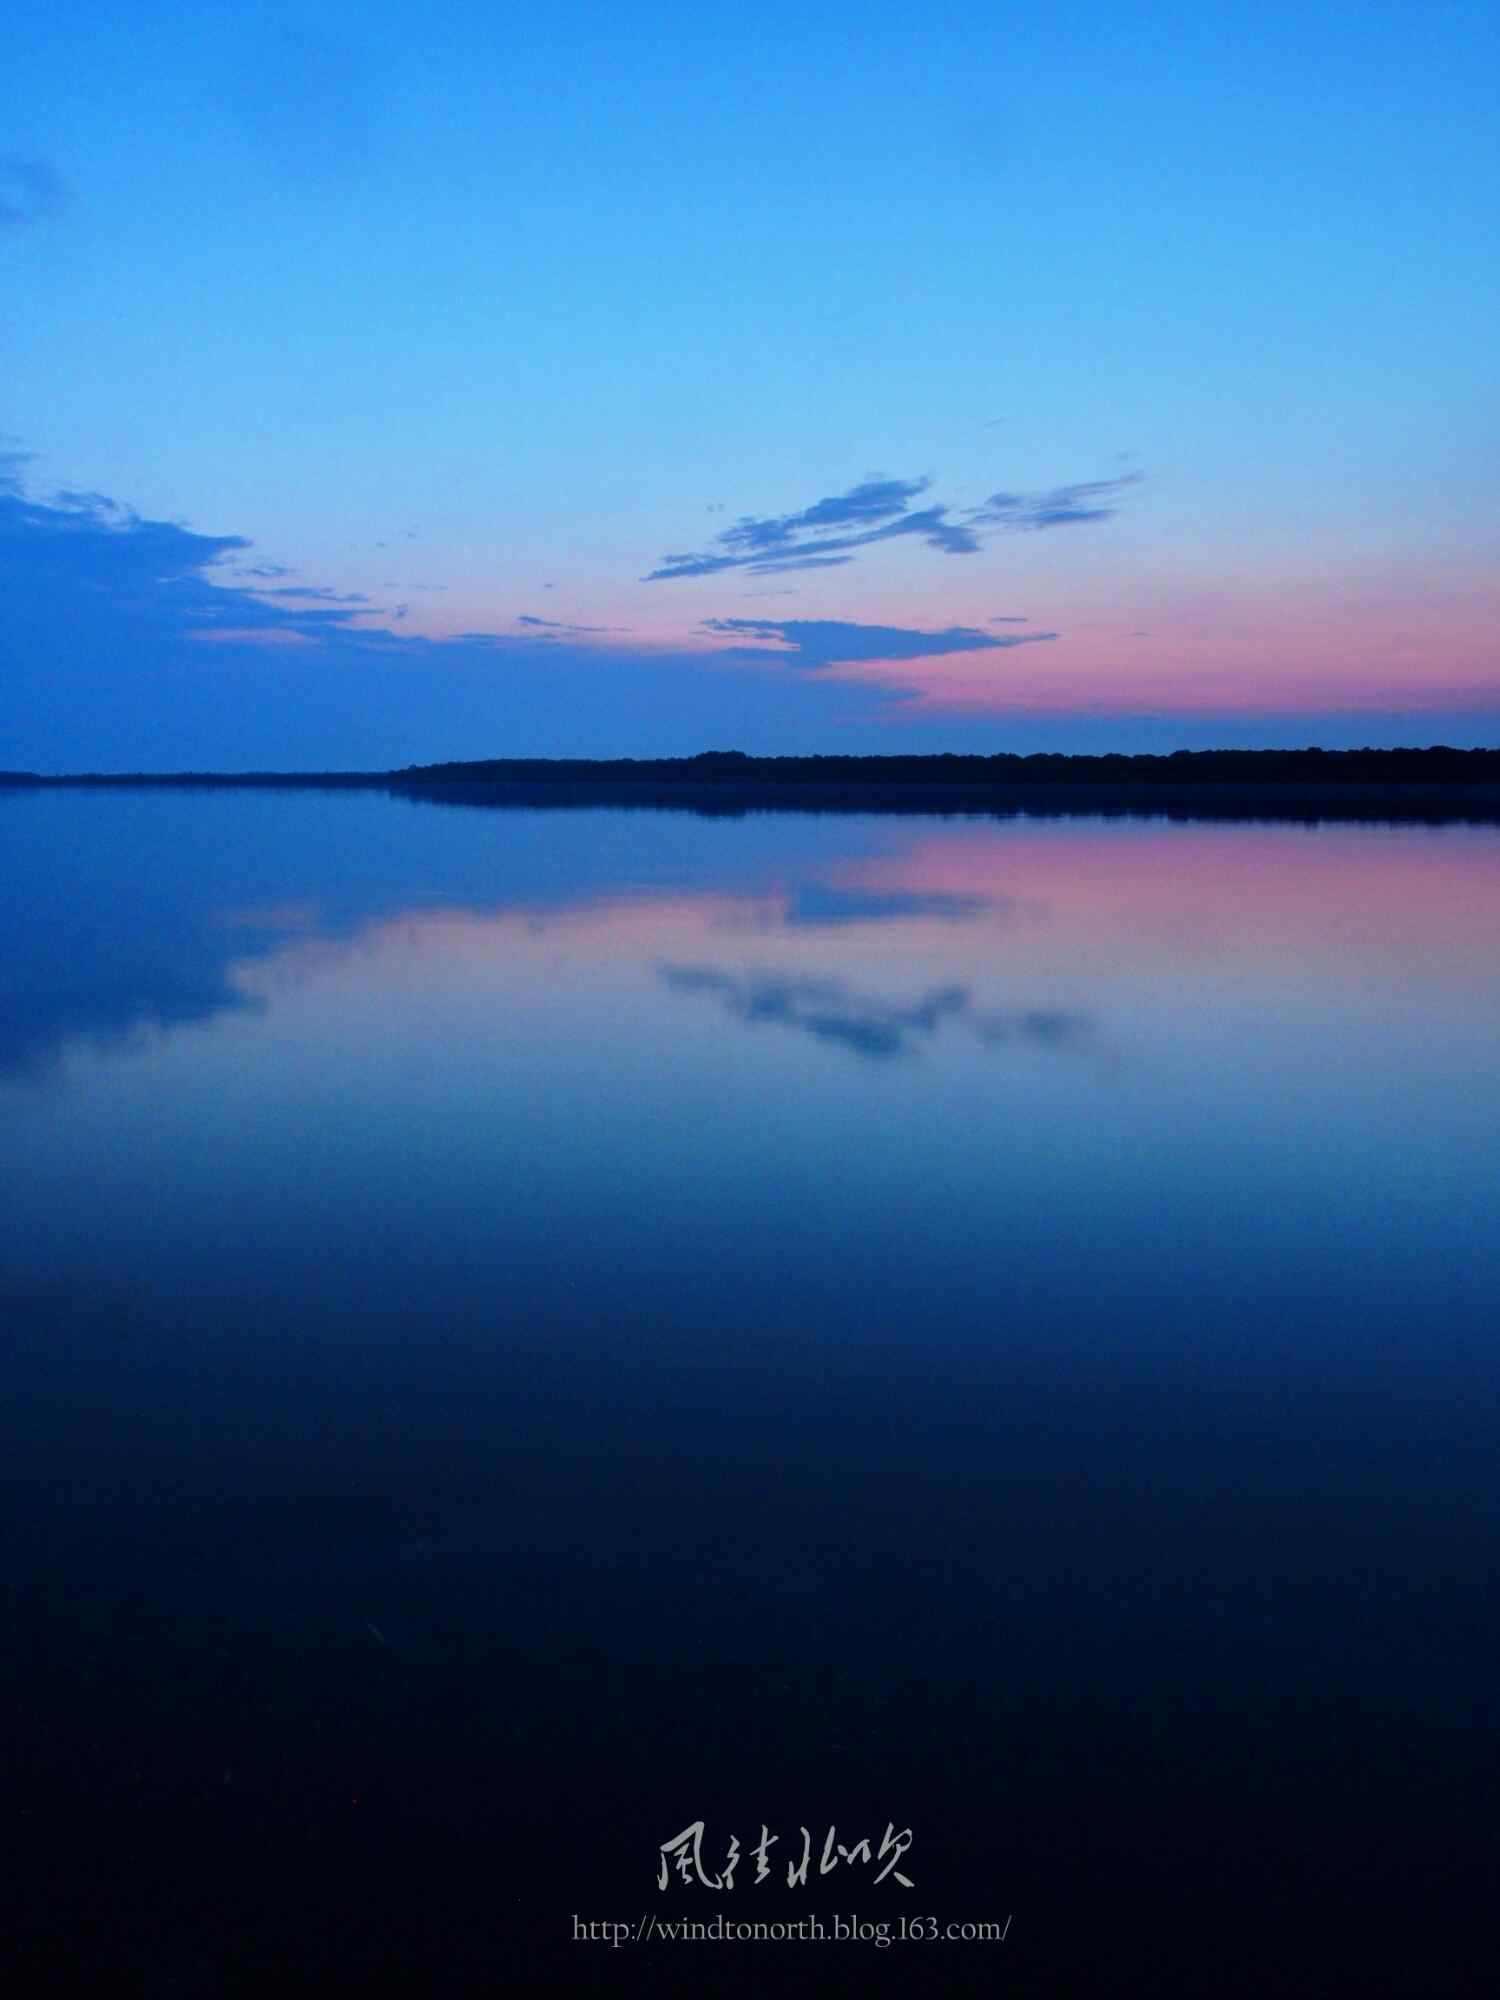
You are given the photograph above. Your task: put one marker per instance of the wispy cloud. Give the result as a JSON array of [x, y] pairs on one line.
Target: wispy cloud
[[1062, 507], [829, 642], [319, 595], [876, 510], [561, 625], [880, 510], [799, 562], [30, 192], [863, 506]]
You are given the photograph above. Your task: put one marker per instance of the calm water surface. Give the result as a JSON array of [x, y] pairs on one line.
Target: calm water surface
[[529, 1329]]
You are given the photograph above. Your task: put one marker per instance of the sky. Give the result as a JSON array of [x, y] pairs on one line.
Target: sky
[[382, 385]]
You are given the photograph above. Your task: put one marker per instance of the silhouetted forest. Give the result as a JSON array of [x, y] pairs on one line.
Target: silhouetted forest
[[1437, 765], [1433, 784]]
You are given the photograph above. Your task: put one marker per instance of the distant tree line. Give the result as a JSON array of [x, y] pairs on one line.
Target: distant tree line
[[1436, 765]]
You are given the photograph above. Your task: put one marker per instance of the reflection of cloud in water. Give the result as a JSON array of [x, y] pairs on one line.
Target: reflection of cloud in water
[[1051, 1027], [814, 904], [834, 905], [133, 914], [831, 1011], [114, 1004]]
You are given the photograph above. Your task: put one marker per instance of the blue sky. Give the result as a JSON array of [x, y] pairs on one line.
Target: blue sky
[[1183, 320]]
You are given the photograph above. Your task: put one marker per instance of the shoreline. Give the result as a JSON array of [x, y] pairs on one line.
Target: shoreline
[[1420, 801]]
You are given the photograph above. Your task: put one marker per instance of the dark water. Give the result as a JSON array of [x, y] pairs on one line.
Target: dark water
[[525, 1331]]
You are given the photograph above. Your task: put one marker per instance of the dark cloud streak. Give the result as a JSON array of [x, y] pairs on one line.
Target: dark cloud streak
[[879, 510], [862, 506], [320, 595], [561, 625], [1063, 506], [812, 643]]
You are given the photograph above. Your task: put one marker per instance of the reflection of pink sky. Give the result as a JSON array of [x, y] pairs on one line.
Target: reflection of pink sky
[[1235, 987], [1413, 904], [1047, 911]]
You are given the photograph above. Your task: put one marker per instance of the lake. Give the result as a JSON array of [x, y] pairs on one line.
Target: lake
[[532, 1329]]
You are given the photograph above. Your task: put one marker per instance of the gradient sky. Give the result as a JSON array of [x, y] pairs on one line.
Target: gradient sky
[[382, 384]]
